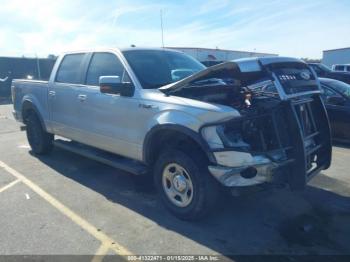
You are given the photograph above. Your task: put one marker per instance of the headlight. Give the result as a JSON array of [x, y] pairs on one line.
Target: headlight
[[219, 137], [210, 135]]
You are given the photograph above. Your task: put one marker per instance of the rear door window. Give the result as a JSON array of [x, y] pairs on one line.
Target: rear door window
[[70, 69], [105, 64]]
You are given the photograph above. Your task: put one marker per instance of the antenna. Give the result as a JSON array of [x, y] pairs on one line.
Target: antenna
[[161, 26]]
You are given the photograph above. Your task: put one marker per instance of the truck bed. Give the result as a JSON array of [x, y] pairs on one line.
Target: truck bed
[[32, 90]]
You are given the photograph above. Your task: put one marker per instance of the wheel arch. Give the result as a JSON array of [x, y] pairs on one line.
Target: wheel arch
[[27, 107], [172, 133]]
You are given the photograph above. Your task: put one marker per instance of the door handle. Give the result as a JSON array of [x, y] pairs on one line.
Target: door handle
[[82, 98], [52, 93]]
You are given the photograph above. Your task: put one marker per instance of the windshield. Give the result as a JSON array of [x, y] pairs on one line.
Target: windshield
[[156, 68], [324, 67], [341, 87]]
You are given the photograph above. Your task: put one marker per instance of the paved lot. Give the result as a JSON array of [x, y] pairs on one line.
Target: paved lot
[[66, 204]]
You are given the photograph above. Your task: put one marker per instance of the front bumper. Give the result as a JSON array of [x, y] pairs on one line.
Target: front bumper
[[263, 171]]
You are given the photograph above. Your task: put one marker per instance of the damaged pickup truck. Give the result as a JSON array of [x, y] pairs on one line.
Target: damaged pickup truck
[[161, 114]]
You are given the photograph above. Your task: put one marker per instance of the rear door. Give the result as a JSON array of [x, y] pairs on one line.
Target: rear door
[[63, 96]]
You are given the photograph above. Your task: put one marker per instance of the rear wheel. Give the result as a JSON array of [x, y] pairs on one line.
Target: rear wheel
[[185, 185], [39, 140]]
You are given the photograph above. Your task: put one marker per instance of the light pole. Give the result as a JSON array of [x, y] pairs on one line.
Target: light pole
[[38, 66], [161, 26]]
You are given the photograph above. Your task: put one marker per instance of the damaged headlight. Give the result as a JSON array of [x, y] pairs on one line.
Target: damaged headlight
[[218, 137], [210, 134]]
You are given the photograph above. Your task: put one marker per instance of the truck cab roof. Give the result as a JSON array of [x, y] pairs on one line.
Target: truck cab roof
[[116, 49]]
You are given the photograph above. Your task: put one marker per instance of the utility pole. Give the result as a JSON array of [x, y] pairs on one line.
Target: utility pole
[[38, 66], [161, 26]]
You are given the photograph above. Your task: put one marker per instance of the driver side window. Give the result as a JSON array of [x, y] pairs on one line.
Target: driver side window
[[105, 64]]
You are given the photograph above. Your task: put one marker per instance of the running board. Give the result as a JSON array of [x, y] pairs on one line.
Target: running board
[[126, 164]]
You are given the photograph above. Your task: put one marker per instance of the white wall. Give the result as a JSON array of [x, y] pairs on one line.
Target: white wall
[[340, 56], [202, 54]]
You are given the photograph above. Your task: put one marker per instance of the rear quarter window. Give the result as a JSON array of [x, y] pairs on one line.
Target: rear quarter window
[[70, 68]]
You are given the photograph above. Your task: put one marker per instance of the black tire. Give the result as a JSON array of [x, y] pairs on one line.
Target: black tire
[[39, 140], [205, 187]]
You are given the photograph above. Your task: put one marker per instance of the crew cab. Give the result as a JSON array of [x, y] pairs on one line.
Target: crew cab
[[161, 114]]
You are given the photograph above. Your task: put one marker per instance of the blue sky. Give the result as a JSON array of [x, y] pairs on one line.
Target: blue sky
[[286, 27]]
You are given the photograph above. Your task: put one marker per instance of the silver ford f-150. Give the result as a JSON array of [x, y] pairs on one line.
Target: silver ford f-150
[[160, 113]]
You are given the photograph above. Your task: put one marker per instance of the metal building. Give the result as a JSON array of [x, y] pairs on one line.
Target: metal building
[[214, 56], [336, 56]]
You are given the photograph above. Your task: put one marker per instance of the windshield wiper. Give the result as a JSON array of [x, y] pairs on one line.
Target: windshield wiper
[[208, 82], [155, 86]]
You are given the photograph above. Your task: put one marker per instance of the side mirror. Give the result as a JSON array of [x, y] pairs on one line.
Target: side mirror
[[336, 100], [113, 85]]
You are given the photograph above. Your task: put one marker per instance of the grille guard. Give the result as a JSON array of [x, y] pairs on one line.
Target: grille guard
[[283, 94], [304, 159]]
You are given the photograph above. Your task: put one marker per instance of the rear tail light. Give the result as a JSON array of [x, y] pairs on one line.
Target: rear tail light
[[13, 94]]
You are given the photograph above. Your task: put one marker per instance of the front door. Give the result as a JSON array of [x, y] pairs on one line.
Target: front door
[[109, 121]]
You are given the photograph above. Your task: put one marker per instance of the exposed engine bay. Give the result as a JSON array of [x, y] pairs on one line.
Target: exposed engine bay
[[232, 93], [254, 104]]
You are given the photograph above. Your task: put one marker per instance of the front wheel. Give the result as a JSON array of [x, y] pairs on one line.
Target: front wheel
[[185, 185]]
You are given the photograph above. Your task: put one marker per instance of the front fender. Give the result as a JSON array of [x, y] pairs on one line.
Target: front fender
[[180, 122], [176, 117]]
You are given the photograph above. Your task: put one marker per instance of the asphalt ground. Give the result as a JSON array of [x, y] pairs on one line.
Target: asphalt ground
[[65, 204]]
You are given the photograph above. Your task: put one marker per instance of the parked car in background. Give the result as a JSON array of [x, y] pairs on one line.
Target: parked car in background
[[324, 71], [337, 100], [341, 68]]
